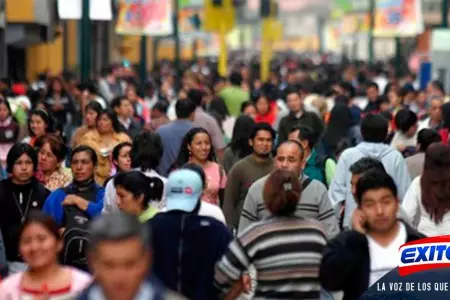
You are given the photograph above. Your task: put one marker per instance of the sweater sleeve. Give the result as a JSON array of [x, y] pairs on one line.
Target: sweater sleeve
[[231, 196], [338, 186], [250, 210], [95, 208], [327, 215]]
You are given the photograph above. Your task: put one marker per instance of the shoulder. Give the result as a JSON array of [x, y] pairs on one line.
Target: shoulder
[[10, 283], [258, 185], [211, 210], [79, 278], [123, 137]]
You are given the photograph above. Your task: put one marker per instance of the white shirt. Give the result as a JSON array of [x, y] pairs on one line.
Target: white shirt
[[110, 200], [384, 259]]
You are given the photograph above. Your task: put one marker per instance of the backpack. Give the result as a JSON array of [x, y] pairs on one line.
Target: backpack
[[320, 163], [76, 224]]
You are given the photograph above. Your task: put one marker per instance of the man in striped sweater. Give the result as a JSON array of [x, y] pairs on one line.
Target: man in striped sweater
[[314, 202]]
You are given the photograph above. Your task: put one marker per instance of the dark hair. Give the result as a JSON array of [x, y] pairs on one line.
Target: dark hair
[[405, 119], [16, 152], [305, 132], [162, 106], [339, 124], [6, 102], [246, 104], [183, 156], [341, 99], [434, 181], [348, 88], [87, 149], [56, 143], [196, 96], [117, 102], [374, 180], [374, 128], [292, 89], [366, 164], [372, 85], [198, 169], [293, 142], [94, 106], [112, 116], [383, 99], [235, 79], [282, 192], [117, 227], [426, 137], [184, 108], [46, 117], [37, 217], [262, 127], [438, 85], [138, 184], [117, 149], [147, 151], [242, 131]]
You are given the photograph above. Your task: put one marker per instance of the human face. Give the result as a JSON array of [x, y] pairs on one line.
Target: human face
[[262, 105], [200, 147], [262, 143], [4, 112], [125, 109], [22, 170], [124, 160], [380, 208], [90, 118], [104, 125], [82, 166], [294, 102], [394, 99], [289, 158], [372, 94], [38, 126], [120, 267], [127, 202], [39, 247], [412, 131], [436, 111], [131, 94], [57, 87], [47, 160], [250, 111]]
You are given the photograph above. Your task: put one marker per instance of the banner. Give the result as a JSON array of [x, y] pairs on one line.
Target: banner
[[145, 17], [398, 18]]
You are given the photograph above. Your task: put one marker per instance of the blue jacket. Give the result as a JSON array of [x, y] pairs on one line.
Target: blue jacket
[[185, 251], [53, 205], [392, 160]]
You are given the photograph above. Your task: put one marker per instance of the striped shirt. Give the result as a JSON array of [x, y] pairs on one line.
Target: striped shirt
[[286, 252]]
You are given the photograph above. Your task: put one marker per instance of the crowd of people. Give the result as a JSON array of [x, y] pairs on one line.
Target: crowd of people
[[301, 187]]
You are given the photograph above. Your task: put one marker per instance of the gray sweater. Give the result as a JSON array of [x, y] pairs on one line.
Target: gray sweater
[[314, 204]]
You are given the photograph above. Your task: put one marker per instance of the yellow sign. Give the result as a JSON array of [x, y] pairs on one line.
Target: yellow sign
[[218, 19]]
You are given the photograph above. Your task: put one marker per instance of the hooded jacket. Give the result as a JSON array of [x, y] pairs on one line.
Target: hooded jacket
[[392, 160], [185, 249]]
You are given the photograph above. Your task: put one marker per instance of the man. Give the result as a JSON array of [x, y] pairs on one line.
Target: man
[[109, 86], [317, 167], [314, 203], [234, 95], [406, 134], [206, 121], [120, 255], [374, 129], [124, 111], [425, 138], [356, 259], [173, 133], [298, 116], [246, 171], [372, 93], [186, 246], [434, 120]]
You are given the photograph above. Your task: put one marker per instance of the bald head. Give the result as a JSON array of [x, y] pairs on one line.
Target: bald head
[[290, 157]]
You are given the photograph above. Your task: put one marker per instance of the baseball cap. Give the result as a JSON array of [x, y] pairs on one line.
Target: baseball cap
[[184, 189]]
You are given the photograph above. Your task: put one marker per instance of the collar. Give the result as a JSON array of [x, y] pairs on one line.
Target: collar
[[146, 292], [83, 185], [297, 115], [126, 123], [7, 122]]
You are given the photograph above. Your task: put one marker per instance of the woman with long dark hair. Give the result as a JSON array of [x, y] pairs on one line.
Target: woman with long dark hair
[[239, 146], [39, 124], [427, 201], [197, 148]]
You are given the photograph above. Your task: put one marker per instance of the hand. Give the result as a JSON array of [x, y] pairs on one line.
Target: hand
[[70, 200], [246, 282], [401, 147], [359, 221]]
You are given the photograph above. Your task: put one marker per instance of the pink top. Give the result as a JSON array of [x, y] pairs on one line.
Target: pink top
[[215, 181], [10, 288]]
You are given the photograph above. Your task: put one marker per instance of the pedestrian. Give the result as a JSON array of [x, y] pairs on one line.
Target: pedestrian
[[44, 276], [91, 112], [9, 130], [406, 134], [121, 160], [425, 138], [124, 110], [39, 124], [239, 146], [233, 95]]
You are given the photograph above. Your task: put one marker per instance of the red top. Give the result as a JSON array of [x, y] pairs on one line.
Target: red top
[[270, 117]]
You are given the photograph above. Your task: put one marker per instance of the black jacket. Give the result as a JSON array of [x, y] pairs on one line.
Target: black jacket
[[346, 263], [307, 118], [133, 130], [33, 197]]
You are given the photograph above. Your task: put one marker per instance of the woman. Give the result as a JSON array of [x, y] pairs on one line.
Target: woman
[[277, 246], [58, 101], [426, 202], [266, 110], [140, 107], [248, 109], [45, 277], [135, 191], [40, 124], [19, 194], [239, 146], [121, 159], [9, 130], [52, 153], [146, 152], [91, 112], [103, 140], [197, 148]]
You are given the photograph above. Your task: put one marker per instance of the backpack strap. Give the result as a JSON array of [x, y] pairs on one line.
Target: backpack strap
[[306, 182]]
